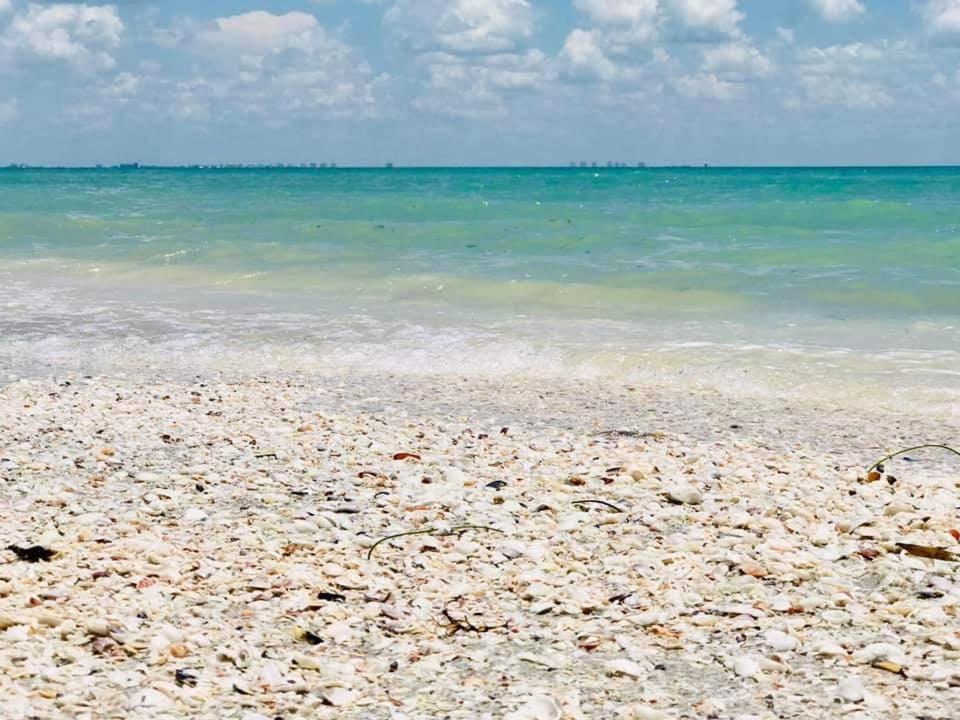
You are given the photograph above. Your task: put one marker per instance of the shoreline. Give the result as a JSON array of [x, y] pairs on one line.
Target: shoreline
[[213, 540]]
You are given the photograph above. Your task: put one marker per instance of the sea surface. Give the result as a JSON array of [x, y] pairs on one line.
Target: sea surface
[[841, 283]]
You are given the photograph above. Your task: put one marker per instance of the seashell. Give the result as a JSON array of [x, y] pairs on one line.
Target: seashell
[[622, 667], [338, 697], [194, 515], [828, 648], [682, 494], [780, 641], [98, 627], [851, 689], [641, 712], [877, 652], [538, 707], [746, 666]]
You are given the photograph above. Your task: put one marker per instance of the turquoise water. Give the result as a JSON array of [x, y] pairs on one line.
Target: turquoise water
[[758, 279]]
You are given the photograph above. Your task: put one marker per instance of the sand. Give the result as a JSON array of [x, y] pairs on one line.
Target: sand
[[218, 556]]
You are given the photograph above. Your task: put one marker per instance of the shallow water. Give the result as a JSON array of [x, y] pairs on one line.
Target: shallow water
[[839, 282]]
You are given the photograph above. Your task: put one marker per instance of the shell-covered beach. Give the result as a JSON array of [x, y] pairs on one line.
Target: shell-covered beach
[[532, 444], [632, 552]]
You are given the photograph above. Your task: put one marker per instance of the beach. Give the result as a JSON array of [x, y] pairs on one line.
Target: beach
[[479, 443], [634, 552]]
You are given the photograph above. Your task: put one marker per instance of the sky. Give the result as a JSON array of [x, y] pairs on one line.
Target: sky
[[481, 82]]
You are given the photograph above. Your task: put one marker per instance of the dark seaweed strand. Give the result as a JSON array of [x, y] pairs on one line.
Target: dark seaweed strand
[[878, 463], [430, 531], [598, 502]]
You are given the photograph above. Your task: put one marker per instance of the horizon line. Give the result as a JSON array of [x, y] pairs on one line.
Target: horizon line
[[397, 166]]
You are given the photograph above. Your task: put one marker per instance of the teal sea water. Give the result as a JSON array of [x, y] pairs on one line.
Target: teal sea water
[[749, 280]]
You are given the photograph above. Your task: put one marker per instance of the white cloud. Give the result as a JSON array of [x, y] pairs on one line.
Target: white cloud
[[738, 59], [8, 111], [857, 75], [124, 86], [845, 59], [464, 87], [712, 17], [79, 35], [726, 72], [276, 66], [606, 51], [255, 35], [5, 6], [846, 92], [707, 86], [838, 10], [633, 20], [462, 26], [943, 17], [583, 55]]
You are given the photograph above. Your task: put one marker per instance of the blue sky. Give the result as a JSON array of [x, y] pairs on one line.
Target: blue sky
[[481, 81]]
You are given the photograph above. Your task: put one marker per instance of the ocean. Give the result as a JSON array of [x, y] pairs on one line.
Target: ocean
[[840, 283]]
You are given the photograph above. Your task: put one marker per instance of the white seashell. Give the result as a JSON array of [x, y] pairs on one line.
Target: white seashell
[[150, 698], [194, 515], [341, 632], [896, 508], [338, 696], [538, 707], [537, 591], [307, 662], [20, 633], [836, 617], [642, 712], [332, 570], [780, 641], [454, 476], [98, 627], [512, 550], [684, 495], [747, 667], [270, 674], [125, 678], [829, 649], [645, 619], [623, 667], [851, 689], [821, 536], [880, 651], [554, 662]]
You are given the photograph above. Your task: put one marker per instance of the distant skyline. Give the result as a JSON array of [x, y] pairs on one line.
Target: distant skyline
[[481, 82]]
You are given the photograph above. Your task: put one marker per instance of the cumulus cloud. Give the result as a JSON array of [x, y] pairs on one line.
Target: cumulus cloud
[[726, 72], [278, 66], [632, 20], [838, 10], [255, 35], [583, 55], [462, 26], [708, 17], [81, 36], [846, 92], [856, 75], [707, 86], [461, 87], [943, 17], [738, 59], [123, 87]]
